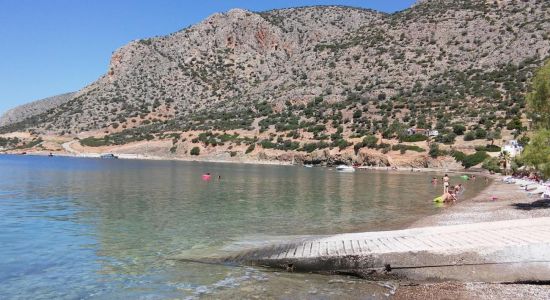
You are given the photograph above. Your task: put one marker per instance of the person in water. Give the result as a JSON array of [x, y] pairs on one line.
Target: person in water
[[458, 188], [449, 196], [445, 184]]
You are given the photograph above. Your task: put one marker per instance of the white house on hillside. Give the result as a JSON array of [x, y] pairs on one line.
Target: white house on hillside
[[513, 148], [426, 132]]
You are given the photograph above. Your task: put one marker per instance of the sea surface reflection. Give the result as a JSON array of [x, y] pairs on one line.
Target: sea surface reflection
[[90, 228]]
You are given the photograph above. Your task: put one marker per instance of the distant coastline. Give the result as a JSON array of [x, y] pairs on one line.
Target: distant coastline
[[252, 161]]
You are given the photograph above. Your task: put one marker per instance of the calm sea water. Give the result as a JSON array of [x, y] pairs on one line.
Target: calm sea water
[[108, 229]]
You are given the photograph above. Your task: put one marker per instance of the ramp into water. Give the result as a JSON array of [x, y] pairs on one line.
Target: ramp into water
[[514, 244]]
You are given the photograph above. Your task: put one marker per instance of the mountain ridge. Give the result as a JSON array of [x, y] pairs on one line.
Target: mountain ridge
[[27, 110], [320, 75]]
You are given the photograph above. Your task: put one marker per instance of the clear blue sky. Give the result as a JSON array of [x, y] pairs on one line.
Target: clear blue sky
[[50, 47]]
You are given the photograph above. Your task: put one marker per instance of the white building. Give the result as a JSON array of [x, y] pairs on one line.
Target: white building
[[513, 148], [433, 133], [426, 132]]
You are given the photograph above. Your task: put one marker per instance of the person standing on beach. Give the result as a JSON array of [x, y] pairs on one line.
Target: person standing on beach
[[445, 184]]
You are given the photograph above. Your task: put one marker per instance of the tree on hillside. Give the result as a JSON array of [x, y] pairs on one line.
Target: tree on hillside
[[505, 161], [494, 135], [195, 151], [459, 129], [537, 153], [539, 99]]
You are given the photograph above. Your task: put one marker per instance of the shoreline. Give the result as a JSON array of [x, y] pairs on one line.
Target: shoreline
[[138, 151], [251, 161], [157, 158], [511, 203]]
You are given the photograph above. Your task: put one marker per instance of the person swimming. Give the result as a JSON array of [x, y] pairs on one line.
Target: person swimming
[[450, 196], [458, 188], [446, 198]]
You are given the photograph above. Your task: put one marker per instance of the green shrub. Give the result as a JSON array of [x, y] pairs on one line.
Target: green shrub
[[515, 123], [250, 148], [357, 147], [414, 138], [195, 151], [459, 129], [524, 141], [448, 138], [488, 148], [469, 136], [9, 142], [94, 142], [341, 144], [480, 133], [435, 151], [30, 144], [310, 147], [403, 148], [491, 164], [474, 159], [458, 155], [369, 141], [267, 144]]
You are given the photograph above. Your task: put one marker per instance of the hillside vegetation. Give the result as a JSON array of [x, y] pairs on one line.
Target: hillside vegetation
[[311, 78]]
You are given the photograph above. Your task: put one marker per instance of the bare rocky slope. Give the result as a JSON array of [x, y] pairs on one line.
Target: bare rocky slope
[[23, 112], [318, 75]]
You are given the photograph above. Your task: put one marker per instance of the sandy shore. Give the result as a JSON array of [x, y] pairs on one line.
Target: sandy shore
[[511, 203]]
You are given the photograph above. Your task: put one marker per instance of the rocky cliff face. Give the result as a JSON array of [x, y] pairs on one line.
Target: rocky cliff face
[[440, 59], [35, 108]]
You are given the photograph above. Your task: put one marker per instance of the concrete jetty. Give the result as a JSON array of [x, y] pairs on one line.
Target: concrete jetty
[[514, 250]]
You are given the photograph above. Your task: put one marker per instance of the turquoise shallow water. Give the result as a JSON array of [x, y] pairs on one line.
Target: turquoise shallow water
[[106, 229]]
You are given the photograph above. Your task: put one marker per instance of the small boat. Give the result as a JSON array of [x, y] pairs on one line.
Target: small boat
[[344, 168], [308, 166], [109, 156]]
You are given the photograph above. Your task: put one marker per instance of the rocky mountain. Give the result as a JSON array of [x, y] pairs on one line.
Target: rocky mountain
[[320, 70], [32, 109]]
